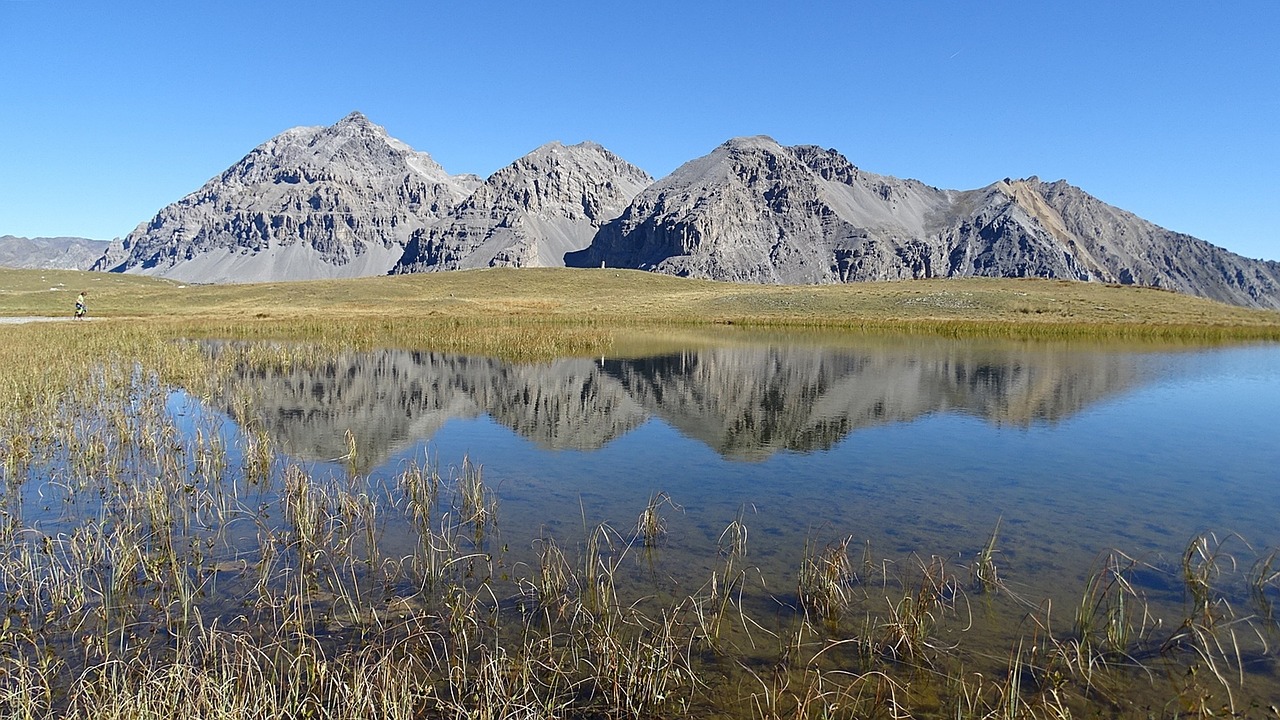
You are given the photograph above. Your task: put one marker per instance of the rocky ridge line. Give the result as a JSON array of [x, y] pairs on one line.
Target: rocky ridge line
[[50, 253], [349, 200], [755, 211]]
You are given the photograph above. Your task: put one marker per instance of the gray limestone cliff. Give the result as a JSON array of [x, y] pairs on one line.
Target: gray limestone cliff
[[530, 213], [756, 211], [312, 202]]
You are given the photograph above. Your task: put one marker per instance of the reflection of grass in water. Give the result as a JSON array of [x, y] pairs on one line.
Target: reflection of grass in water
[[144, 607]]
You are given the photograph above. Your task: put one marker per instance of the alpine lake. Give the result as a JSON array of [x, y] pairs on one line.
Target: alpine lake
[[777, 525]]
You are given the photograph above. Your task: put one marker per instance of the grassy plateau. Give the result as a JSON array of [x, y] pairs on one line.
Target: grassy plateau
[[614, 298]]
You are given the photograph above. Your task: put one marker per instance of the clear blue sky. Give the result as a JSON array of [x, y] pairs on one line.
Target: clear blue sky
[[111, 110]]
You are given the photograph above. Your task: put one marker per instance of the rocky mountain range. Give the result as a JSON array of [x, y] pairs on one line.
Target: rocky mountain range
[[50, 253], [755, 211], [349, 200]]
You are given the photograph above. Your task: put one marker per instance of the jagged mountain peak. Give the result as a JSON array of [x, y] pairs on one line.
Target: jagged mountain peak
[[759, 160], [734, 150], [358, 129], [354, 125], [355, 118], [311, 202], [556, 152], [557, 173], [359, 146], [530, 213], [751, 143], [556, 146]]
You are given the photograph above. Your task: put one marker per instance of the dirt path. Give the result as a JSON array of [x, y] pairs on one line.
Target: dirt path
[[20, 320]]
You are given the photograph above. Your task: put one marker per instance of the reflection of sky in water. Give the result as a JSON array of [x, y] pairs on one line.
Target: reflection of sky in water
[[1186, 443]]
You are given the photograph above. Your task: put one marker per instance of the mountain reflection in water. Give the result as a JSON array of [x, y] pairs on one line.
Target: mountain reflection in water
[[746, 403]]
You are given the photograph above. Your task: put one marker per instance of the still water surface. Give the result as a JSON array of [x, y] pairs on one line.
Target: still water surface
[[913, 446]]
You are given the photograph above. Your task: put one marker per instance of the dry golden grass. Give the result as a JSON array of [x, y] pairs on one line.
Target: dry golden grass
[[608, 299]]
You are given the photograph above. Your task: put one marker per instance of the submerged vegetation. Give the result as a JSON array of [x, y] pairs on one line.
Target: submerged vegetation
[[153, 564]]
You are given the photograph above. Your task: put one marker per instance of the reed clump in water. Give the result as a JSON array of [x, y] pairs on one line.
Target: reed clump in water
[[985, 573]]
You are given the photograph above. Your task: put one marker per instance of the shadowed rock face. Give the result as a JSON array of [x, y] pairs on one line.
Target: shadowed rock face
[[755, 211], [530, 213], [745, 403], [312, 202]]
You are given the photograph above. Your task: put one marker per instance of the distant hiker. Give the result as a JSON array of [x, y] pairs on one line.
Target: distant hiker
[[81, 307]]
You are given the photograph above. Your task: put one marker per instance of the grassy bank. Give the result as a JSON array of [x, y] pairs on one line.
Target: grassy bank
[[609, 299]]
